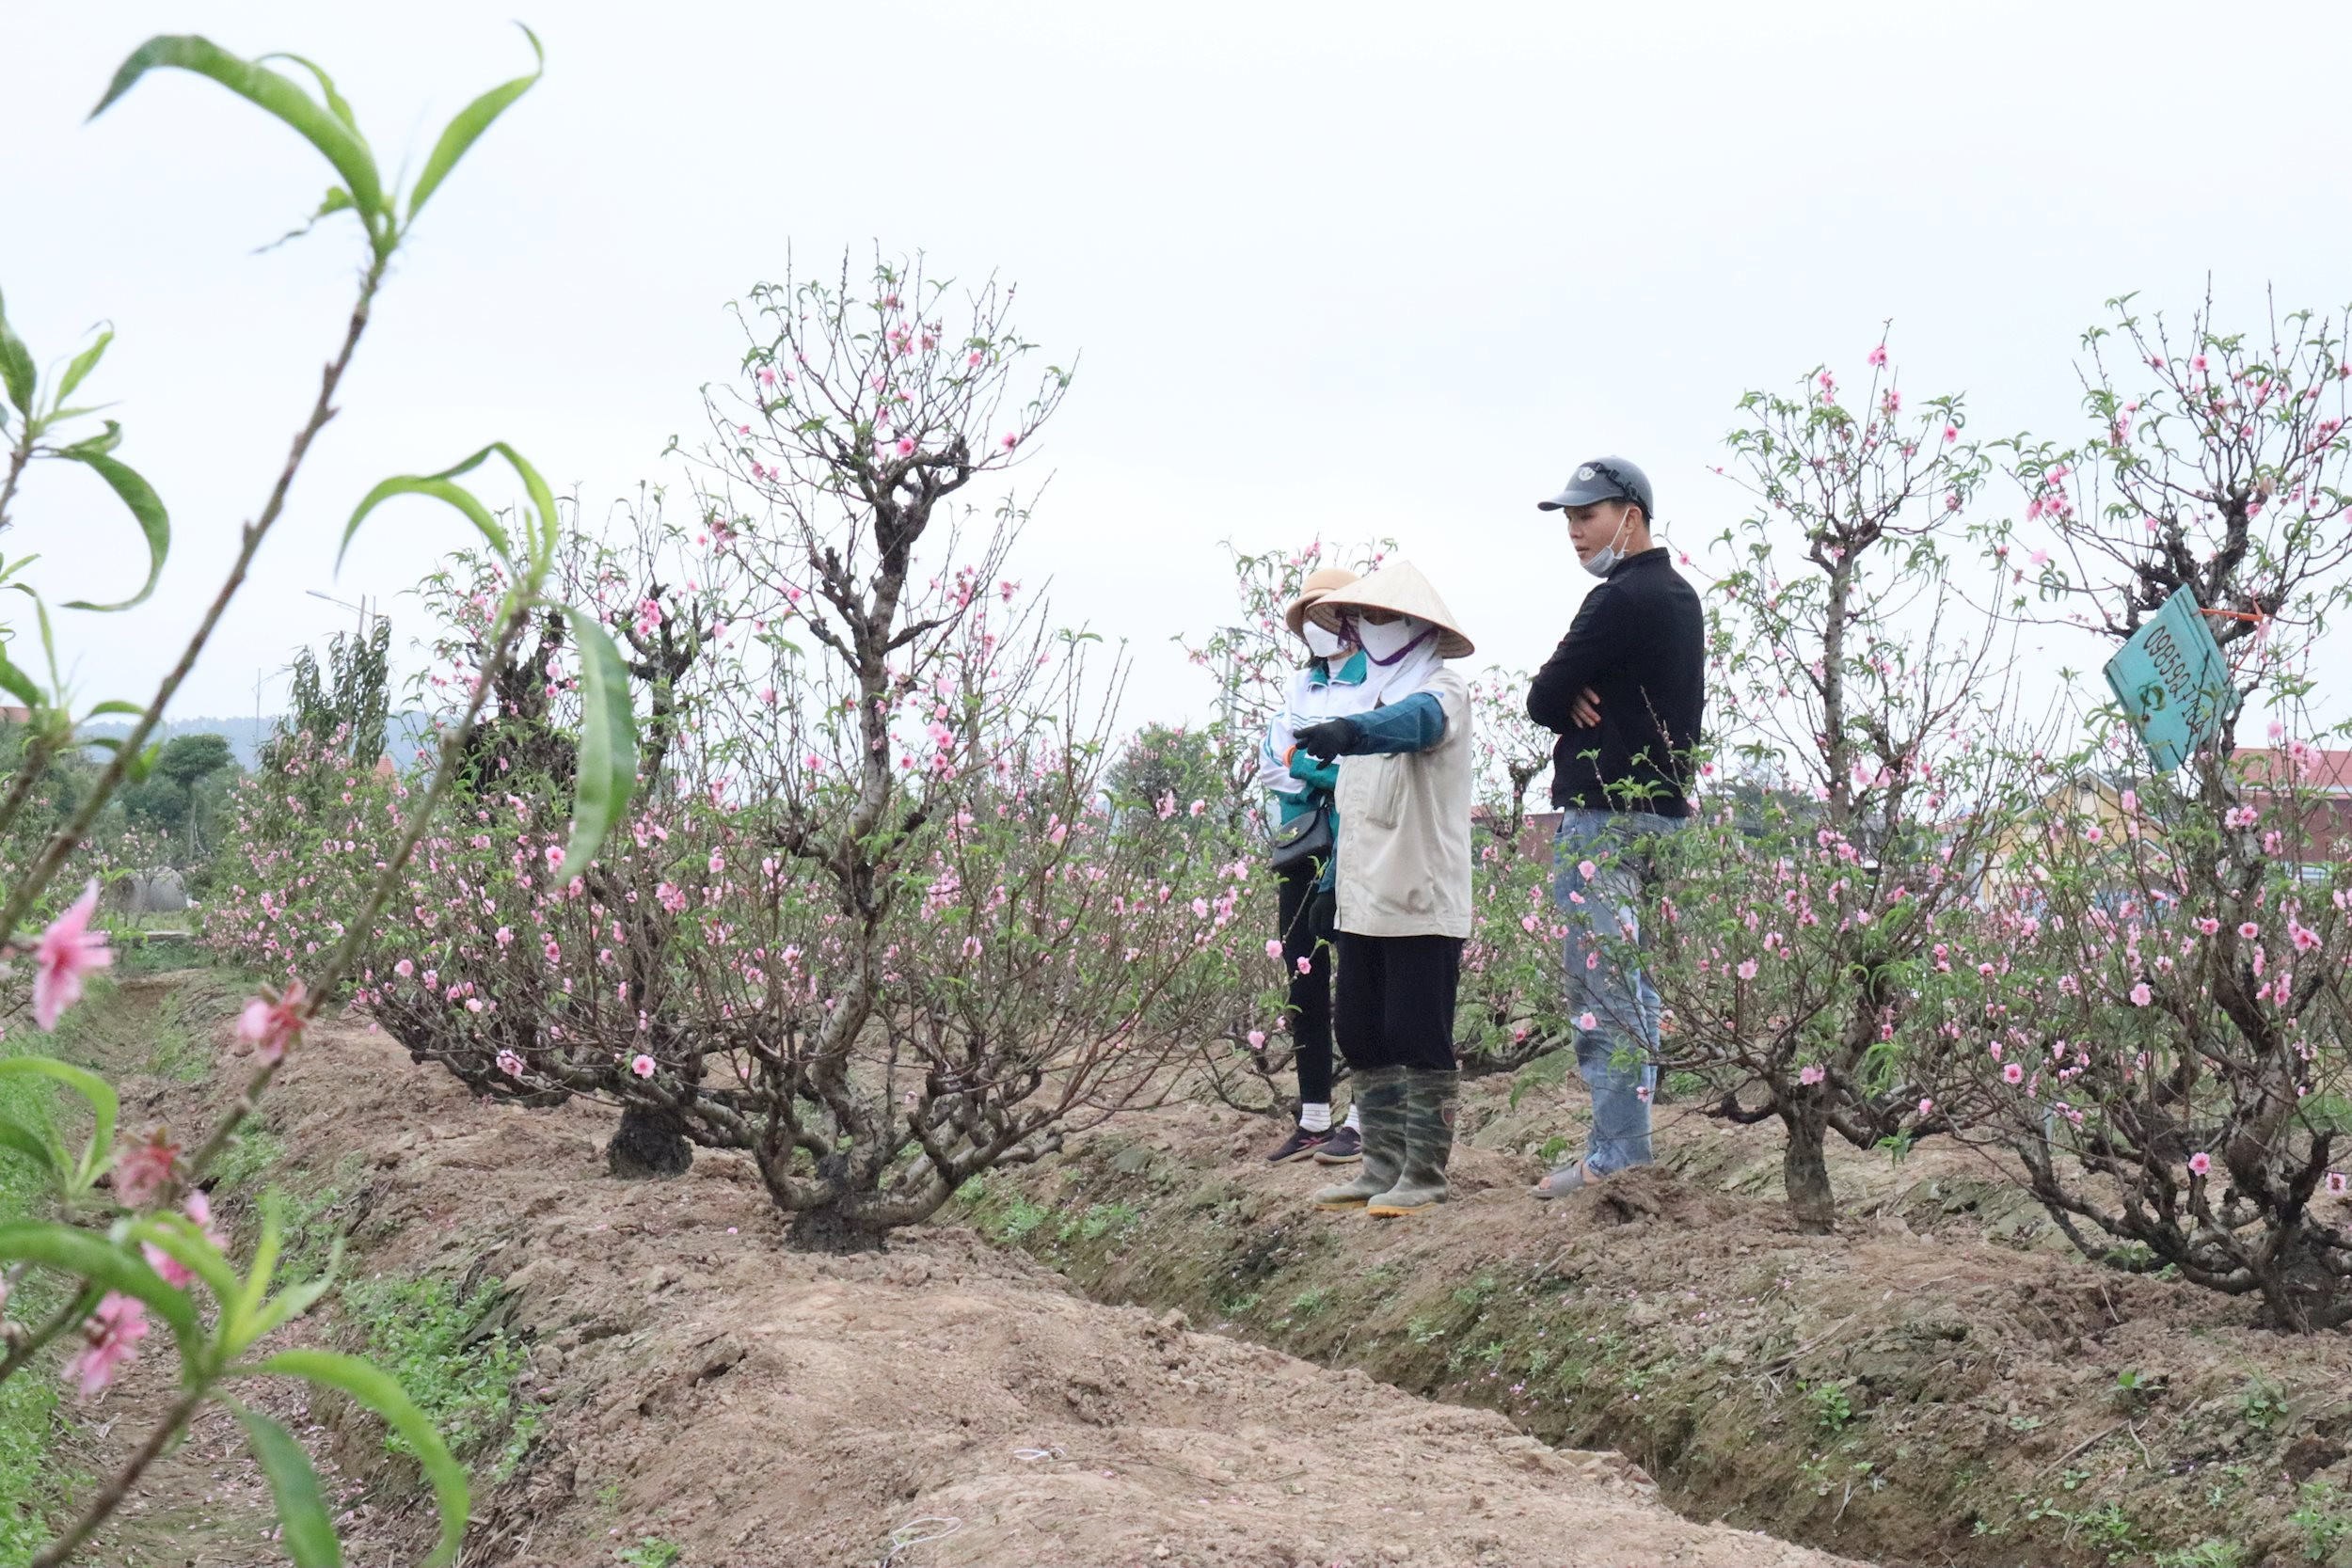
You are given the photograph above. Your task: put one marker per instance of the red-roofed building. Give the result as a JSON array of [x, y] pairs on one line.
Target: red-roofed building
[[2317, 782]]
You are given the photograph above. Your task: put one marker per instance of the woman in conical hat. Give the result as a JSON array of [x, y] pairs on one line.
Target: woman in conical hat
[[1330, 685], [1403, 906]]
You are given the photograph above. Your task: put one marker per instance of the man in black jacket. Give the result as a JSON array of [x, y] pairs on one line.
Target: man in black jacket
[[1625, 690]]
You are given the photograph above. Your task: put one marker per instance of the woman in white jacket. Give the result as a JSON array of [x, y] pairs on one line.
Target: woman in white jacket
[[1404, 906], [1332, 684]]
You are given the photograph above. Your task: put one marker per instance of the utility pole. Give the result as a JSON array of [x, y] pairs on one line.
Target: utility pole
[[361, 607], [1227, 697]]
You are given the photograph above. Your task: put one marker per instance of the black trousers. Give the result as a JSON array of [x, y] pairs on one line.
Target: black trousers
[[1396, 998], [1305, 917]]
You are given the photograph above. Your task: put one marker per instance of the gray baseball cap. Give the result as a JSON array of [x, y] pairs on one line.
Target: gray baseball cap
[[1605, 479]]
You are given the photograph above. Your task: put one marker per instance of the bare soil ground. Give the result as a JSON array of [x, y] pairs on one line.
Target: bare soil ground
[[1943, 1381], [705, 1396]]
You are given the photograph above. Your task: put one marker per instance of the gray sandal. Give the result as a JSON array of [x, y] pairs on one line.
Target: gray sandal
[[1567, 1179]]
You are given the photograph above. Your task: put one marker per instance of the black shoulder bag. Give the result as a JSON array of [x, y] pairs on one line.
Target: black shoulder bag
[[1310, 838]]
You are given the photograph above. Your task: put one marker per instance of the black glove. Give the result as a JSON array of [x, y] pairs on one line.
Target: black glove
[[1328, 739]]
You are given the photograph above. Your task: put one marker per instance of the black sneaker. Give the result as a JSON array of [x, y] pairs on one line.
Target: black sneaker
[[1300, 1144], [1345, 1146]]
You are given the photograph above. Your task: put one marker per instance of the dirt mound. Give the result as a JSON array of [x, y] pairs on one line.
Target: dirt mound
[[1935, 1384], [704, 1396]]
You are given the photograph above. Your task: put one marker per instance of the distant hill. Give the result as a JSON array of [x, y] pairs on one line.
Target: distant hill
[[246, 734]]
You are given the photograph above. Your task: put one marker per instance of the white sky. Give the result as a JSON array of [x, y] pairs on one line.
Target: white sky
[[1341, 268]]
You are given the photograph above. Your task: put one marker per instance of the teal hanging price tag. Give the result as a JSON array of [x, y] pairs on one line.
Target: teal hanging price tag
[[2172, 682]]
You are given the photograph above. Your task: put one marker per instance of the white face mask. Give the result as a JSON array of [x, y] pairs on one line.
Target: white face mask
[[1607, 556], [1387, 643], [1322, 643]]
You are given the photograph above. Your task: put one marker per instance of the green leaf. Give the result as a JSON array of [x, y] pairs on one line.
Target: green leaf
[[544, 531], [48, 632], [19, 685], [308, 1535], [280, 95], [16, 1135], [441, 489], [146, 510], [90, 1258], [379, 1393], [607, 769], [335, 101], [462, 132], [16, 365], [96, 446], [550, 531], [104, 1106], [115, 705], [83, 364], [294, 1299], [265, 1264], [183, 1242]]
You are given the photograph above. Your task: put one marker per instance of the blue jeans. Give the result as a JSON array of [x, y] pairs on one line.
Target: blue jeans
[[1611, 1006]]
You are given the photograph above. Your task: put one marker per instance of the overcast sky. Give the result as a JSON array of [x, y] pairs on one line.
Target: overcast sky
[[1343, 269]]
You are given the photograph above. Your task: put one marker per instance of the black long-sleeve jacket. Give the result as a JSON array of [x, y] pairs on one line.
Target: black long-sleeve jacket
[[1640, 641]]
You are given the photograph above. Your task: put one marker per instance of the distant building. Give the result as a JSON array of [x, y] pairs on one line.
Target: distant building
[[2317, 786], [1536, 830], [2314, 786]]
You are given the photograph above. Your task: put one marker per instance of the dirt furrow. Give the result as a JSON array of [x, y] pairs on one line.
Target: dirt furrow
[[702, 1395]]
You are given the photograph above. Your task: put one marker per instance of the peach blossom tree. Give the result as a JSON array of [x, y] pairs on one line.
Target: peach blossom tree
[[1860, 712], [2159, 1014], [875, 924]]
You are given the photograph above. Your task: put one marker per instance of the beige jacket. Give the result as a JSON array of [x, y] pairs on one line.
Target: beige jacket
[[1405, 831]]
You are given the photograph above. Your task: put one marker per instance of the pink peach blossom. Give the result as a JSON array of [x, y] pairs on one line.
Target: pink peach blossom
[[271, 1023], [176, 1273], [146, 1169], [67, 951], [111, 1336]]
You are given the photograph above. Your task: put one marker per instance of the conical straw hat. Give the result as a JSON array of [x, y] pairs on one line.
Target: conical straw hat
[[1399, 587], [1319, 582]]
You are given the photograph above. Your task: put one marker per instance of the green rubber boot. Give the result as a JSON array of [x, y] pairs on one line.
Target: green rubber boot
[[1379, 1100], [1428, 1144]]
